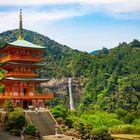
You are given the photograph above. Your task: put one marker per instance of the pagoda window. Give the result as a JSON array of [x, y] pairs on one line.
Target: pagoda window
[[30, 84], [22, 52], [15, 93], [25, 84], [30, 93], [24, 91], [28, 52], [12, 52], [17, 51], [15, 84], [15, 89], [28, 69], [16, 69]]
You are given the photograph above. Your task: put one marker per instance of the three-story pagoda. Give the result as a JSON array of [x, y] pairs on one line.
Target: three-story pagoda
[[20, 58]]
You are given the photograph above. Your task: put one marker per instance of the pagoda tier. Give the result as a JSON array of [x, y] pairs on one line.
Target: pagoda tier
[[25, 52], [22, 92], [14, 64], [20, 69], [25, 79]]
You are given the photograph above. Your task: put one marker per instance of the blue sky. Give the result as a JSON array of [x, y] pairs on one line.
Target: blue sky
[[85, 25]]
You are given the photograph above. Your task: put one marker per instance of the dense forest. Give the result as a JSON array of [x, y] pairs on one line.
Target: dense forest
[[111, 79]]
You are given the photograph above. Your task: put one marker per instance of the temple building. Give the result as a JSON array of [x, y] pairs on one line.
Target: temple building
[[20, 58]]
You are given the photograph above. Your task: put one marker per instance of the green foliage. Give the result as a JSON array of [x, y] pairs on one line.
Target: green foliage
[[59, 111], [80, 64], [16, 120], [8, 105], [1, 73], [101, 133], [99, 119], [31, 129], [125, 129], [2, 87], [84, 129], [112, 82], [136, 122]]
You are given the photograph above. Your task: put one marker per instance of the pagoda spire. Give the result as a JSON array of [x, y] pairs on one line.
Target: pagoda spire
[[20, 37]]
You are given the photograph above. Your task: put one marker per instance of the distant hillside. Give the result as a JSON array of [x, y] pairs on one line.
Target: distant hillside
[[95, 52]]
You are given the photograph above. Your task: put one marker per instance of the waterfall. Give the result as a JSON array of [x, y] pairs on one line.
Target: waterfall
[[70, 94]]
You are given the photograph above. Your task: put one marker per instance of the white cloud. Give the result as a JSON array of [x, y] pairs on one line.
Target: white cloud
[[113, 5], [33, 18]]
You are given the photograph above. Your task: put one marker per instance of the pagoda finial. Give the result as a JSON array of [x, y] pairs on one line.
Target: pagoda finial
[[20, 37]]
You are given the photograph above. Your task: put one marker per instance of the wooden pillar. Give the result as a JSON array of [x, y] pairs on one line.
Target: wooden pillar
[[19, 93], [44, 103], [36, 103]]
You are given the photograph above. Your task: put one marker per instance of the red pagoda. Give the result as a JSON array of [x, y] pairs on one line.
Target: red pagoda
[[20, 58]]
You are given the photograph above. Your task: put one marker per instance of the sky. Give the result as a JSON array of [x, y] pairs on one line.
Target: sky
[[85, 25]]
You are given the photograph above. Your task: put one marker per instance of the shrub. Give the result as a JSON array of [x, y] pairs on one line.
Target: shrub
[[8, 106], [2, 88], [99, 119], [60, 111], [101, 133], [83, 128], [16, 120], [17, 132], [123, 129], [136, 122], [31, 129], [136, 130]]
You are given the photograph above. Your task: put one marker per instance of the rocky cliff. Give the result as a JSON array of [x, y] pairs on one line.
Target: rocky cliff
[[59, 86]]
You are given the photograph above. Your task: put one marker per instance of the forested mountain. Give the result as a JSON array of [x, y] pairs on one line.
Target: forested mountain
[[112, 80], [111, 77], [109, 81]]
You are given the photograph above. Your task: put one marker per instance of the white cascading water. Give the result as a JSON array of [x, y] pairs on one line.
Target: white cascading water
[[70, 94]]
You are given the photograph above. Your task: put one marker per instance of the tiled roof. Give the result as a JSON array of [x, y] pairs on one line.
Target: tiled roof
[[26, 44], [26, 79]]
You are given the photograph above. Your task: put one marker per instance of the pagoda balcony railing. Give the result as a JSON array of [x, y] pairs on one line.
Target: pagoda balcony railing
[[34, 96], [22, 74], [18, 57]]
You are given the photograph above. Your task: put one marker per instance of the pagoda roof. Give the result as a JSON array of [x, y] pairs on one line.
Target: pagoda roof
[[24, 44], [26, 79], [23, 64]]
